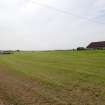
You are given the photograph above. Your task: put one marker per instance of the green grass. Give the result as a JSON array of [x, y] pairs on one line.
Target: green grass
[[59, 69]]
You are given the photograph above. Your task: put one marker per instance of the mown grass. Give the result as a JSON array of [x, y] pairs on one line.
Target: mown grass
[[59, 69]]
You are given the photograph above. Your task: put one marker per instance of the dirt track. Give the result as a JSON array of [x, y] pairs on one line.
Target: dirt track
[[16, 90], [23, 91]]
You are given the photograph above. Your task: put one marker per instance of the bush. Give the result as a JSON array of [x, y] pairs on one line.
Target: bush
[[80, 48]]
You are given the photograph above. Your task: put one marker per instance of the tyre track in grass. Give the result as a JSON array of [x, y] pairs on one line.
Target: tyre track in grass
[[23, 93]]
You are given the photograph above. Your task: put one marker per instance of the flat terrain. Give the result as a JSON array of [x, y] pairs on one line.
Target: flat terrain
[[53, 78]]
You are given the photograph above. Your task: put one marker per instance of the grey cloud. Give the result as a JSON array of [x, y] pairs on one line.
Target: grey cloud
[[27, 25]]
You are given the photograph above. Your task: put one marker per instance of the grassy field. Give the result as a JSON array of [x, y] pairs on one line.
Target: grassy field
[[53, 78]]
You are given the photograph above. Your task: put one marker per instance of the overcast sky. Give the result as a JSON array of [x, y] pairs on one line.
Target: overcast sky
[[51, 24]]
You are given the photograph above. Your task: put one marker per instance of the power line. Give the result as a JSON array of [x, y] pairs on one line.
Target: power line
[[66, 12]]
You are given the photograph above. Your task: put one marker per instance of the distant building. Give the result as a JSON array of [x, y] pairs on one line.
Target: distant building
[[97, 45]]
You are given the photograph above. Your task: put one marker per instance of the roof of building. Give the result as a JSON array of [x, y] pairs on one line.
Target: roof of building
[[100, 44]]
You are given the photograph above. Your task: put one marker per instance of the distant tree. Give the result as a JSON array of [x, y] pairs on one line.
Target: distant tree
[[80, 48], [17, 50]]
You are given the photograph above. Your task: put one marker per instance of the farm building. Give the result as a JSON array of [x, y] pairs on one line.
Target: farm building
[[97, 45]]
